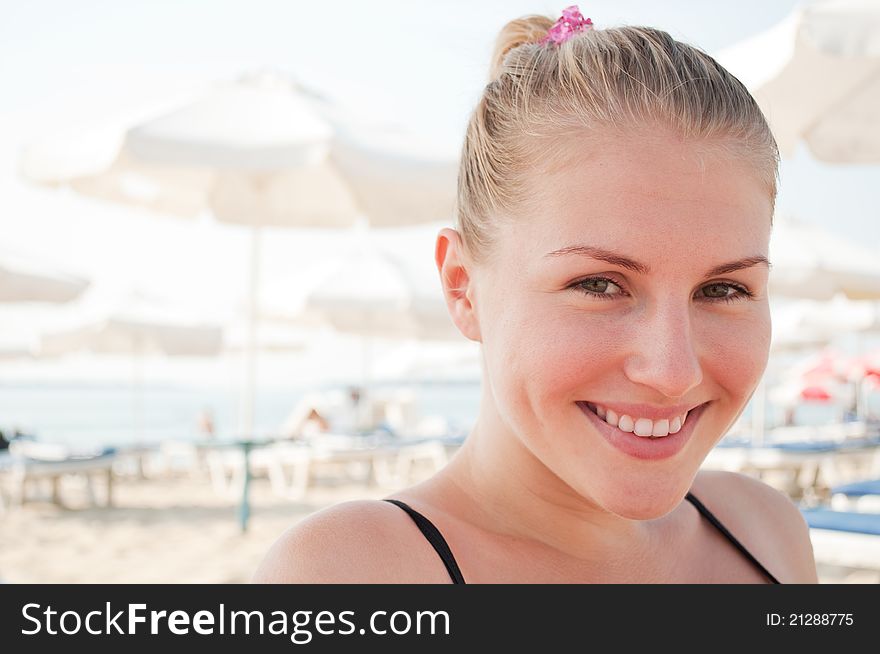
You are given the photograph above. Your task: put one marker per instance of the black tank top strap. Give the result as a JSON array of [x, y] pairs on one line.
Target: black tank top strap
[[435, 538], [706, 513]]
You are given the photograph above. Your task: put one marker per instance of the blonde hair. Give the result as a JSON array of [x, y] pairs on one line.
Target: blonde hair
[[614, 80]]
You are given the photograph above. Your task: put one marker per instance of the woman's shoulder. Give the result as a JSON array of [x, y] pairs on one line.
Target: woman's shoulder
[[361, 541], [763, 519]]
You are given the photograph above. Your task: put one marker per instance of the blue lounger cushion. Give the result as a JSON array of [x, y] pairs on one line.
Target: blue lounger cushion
[[808, 447], [862, 523], [859, 488]]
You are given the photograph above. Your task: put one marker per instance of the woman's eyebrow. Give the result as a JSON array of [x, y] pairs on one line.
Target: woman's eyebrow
[[616, 259]]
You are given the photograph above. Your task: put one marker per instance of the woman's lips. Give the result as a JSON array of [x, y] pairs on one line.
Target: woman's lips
[[642, 447]]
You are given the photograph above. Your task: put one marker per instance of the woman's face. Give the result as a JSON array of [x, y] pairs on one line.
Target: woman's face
[[614, 289]]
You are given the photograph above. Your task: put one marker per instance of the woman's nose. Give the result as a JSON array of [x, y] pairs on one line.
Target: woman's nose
[[664, 354]]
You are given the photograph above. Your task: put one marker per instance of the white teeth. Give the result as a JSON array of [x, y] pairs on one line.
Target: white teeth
[[611, 418], [643, 427], [661, 428], [625, 423]]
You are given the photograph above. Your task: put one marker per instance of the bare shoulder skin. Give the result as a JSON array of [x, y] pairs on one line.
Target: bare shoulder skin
[[763, 519], [364, 541], [369, 541]]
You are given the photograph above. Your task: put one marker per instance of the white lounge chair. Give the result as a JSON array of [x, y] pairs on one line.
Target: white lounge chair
[[288, 466], [406, 463], [33, 464]]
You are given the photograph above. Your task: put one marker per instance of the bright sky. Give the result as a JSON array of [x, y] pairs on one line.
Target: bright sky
[[411, 62]]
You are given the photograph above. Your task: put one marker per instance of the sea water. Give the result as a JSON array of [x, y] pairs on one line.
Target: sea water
[[117, 415]]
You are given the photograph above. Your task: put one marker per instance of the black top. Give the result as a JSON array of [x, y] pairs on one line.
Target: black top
[[436, 539], [439, 543]]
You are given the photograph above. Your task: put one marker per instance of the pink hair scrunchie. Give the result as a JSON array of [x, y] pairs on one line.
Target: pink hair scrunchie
[[570, 23]]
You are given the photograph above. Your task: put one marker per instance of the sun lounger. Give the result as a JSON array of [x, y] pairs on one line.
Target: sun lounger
[[31, 464], [399, 466], [288, 466], [178, 457], [845, 538], [859, 488], [835, 432], [285, 463], [861, 496], [808, 468], [227, 471]]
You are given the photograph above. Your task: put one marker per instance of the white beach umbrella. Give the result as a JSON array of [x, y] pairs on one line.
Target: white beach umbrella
[[22, 280], [816, 76], [841, 315], [120, 334], [27, 289], [812, 263], [274, 337], [374, 294], [259, 152], [798, 323]]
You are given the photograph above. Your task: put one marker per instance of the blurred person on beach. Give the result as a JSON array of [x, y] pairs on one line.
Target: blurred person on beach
[[205, 424], [321, 413], [309, 426], [352, 419], [615, 204]]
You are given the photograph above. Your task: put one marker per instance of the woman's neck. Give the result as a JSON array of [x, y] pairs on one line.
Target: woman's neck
[[497, 484]]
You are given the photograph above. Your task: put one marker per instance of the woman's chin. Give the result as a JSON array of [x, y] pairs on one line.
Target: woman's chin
[[642, 501]]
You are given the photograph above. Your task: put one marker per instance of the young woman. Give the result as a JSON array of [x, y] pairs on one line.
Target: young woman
[[616, 195]]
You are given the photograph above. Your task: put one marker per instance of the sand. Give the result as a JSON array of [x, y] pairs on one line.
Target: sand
[[175, 530], [159, 531]]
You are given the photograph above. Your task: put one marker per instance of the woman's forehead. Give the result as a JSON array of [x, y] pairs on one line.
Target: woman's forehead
[[646, 194]]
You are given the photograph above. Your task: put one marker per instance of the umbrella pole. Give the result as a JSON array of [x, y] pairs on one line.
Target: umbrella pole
[[246, 415], [861, 400], [137, 389], [861, 387], [363, 418]]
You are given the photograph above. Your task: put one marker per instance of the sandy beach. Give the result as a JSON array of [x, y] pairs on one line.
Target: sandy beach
[[175, 530], [159, 531]]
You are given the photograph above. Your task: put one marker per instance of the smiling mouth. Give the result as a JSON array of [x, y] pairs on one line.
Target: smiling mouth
[[643, 428], [636, 441]]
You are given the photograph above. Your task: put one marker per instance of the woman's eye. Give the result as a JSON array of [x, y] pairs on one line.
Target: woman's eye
[[606, 289], [599, 287], [720, 292]]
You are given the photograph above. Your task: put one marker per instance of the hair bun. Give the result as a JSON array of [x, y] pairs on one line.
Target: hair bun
[[528, 29]]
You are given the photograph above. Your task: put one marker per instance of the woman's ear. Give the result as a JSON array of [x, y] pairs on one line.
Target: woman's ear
[[457, 283]]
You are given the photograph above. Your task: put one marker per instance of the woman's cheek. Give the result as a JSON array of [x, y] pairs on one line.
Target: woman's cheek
[[531, 357], [737, 354], [569, 359], [581, 358]]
